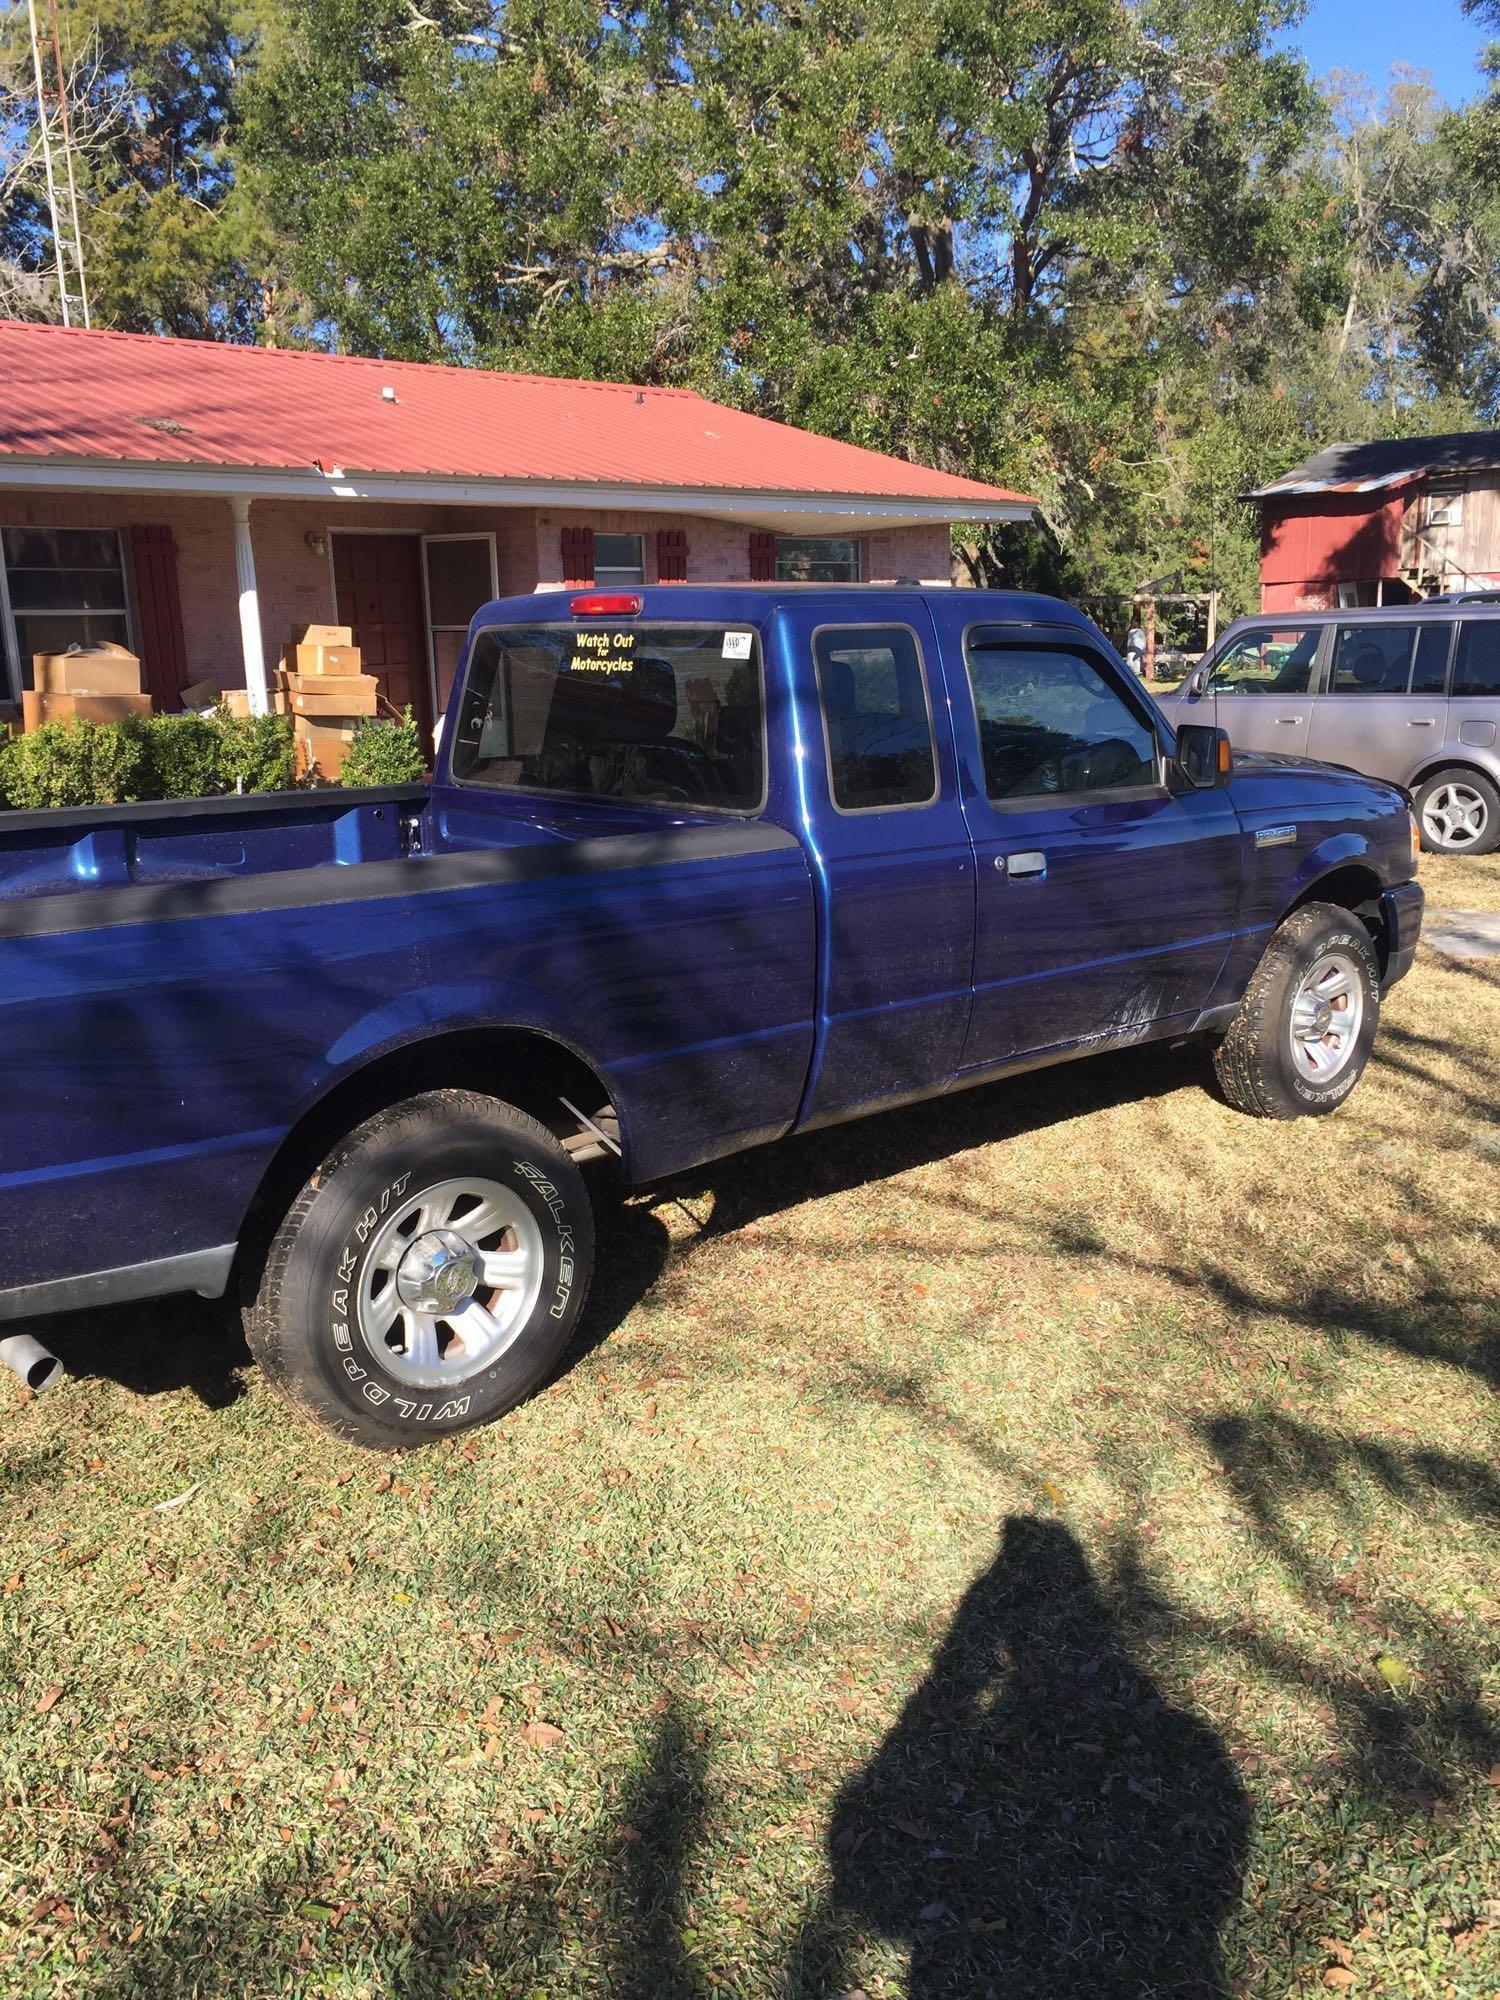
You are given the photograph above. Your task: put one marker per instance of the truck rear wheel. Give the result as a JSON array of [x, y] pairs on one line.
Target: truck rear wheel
[[1302, 1036], [428, 1275]]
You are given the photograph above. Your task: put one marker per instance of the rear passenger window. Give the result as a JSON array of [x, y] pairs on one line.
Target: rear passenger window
[[1477, 668], [1371, 659], [875, 717], [1429, 674]]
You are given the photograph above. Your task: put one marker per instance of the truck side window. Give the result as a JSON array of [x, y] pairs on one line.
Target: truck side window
[[1477, 668], [1051, 723], [875, 717], [1268, 659]]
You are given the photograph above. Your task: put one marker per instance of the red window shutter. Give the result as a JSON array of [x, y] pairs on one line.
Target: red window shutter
[[762, 558], [578, 555], [159, 610], [671, 555]]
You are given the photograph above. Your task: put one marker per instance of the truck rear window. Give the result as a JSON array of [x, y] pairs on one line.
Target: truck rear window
[[647, 714]]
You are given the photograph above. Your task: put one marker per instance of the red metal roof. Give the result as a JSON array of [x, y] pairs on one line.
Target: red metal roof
[[143, 400]]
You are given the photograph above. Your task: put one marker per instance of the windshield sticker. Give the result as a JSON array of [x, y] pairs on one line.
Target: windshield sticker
[[602, 652], [737, 645]]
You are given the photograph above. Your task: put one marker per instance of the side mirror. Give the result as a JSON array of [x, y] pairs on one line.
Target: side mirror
[[1203, 756]]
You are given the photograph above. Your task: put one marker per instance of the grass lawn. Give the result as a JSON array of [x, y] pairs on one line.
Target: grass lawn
[[1044, 1543]]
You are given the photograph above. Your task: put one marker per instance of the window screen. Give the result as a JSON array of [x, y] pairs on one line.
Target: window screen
[[816, 559], [67, 587], [1371, 659], [618, 561], [1477, 668], [1051, 723], [651, 715], [876, 719]]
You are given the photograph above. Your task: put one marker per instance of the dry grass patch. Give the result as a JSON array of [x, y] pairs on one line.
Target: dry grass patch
[[1045, 1542]]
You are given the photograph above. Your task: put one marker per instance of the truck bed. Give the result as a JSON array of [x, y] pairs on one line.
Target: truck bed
[[51, 853]]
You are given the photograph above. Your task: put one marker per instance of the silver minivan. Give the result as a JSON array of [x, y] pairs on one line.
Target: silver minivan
[[1409, 692]]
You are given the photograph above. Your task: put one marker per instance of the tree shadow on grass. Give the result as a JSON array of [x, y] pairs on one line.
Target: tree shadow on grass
[[1041, 1821]]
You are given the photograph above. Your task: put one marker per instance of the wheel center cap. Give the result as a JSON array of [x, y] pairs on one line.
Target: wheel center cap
[[439, 1273], [1320, 1020]]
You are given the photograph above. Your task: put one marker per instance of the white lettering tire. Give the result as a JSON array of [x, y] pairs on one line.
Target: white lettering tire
[[429, 1275]]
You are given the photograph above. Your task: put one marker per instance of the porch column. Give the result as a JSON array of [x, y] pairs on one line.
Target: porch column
[[244, 575]]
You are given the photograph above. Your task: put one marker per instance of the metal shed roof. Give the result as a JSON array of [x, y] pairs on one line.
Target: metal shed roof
[[78, 408], [1366, 468]]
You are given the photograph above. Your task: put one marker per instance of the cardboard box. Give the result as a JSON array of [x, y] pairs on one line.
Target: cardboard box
[[323, 744], [38, 708], [311, 659], [327, 635], [349, 695], [106, 669], [237, 701]]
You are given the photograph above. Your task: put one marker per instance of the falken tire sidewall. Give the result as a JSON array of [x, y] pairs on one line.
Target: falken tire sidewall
[[322, 1358]]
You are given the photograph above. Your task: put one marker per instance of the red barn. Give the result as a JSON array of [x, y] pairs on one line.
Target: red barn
[[1382, 523]]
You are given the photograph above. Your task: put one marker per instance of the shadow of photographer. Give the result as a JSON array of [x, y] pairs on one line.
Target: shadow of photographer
[[1041, 1820]]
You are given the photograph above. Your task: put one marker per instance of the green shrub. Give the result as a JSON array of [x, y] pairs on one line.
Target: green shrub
[[186, 757], [385, 753], [7, 769], [256, 752], [80, 764]]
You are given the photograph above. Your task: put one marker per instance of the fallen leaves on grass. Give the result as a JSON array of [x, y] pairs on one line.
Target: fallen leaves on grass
[[543, 1735]]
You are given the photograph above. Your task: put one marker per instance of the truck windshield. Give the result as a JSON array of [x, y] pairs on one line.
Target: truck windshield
[[648, 714]]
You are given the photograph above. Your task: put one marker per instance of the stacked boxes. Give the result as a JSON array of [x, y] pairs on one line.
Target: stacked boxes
[[326, 694], [87, 684]]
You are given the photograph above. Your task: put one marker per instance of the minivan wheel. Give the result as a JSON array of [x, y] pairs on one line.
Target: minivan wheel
[[1458, 811], [430, 1273], [1302, 1036]]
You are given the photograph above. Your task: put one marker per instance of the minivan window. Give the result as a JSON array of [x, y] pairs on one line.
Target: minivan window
[[666, 715], [1477, 668], [1429, 671], [1268, 659], [1371, 659], [875, 717]]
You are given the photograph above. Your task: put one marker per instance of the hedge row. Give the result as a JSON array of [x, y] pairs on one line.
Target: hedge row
[[186, 757]]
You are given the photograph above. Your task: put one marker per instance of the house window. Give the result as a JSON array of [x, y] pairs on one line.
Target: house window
[[66, 587], [619, 560], [816, 559]]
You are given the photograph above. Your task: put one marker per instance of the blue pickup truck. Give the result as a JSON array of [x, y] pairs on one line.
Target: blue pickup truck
[[698, 868]]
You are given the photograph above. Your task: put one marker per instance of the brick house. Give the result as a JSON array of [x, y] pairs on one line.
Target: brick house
[[202, 504]]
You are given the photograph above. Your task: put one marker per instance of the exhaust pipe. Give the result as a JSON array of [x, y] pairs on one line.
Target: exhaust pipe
[[37, 1368]]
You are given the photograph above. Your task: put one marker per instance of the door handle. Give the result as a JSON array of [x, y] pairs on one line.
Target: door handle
[[1422, 722], [1289, 718], [1030, 862]]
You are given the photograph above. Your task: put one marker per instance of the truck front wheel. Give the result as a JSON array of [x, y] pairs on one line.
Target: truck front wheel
[[428, 1275], [1302, 1036]]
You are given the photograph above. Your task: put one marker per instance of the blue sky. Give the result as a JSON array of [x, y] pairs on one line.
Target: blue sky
[[1368, 36]]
